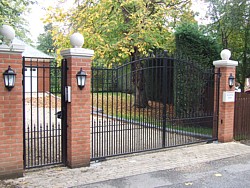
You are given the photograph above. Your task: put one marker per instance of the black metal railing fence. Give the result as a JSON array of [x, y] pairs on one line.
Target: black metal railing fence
[[42, 102], [151, 103]]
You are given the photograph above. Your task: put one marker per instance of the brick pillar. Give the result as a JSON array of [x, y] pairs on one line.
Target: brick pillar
[[78, 110], [11, 115], [226, 98]]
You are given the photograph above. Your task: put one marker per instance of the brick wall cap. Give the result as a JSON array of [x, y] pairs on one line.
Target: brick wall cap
[[225, 63], [14, 48], [77, 52]]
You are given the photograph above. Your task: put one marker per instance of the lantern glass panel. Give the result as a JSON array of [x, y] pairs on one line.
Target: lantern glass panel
[[231, 82], [81, 80], [11, 80], [6, 80]]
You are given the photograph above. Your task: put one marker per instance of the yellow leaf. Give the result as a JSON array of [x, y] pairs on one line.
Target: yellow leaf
[[218, 175], [188, 183]]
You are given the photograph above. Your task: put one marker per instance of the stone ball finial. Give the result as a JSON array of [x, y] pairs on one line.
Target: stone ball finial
[[8, 32], [225, 54], [76, 40]]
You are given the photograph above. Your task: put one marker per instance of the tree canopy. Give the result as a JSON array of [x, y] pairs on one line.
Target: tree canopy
[[45, 41], [118, 29], [193, 43], [231, 26]]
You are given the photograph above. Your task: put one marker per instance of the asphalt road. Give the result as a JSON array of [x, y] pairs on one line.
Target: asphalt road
[[231, 172]]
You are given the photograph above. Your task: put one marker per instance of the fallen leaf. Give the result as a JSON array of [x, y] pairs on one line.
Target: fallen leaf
[[218, 175], [188, 183], [132, 161]]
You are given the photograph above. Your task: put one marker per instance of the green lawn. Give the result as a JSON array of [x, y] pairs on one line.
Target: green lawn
[[120, 105]]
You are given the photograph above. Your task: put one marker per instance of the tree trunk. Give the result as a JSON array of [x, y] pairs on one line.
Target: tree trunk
[[140, 97]]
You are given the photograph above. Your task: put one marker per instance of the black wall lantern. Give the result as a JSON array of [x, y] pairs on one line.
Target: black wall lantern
[[81, 78], [231, 80], [9, 77]]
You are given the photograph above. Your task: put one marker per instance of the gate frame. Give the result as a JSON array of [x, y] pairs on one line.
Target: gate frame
[[168, 66], [63, 77], [64, 110]]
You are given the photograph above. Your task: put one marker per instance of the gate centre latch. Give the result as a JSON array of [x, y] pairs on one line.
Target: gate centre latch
[[67, 93]]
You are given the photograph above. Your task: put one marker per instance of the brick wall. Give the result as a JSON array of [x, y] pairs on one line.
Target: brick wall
[[11, 119], [226, 115], [78, 117], [226, 108]]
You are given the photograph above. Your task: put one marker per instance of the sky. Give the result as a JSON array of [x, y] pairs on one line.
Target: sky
[[38, 12], [34, 18]]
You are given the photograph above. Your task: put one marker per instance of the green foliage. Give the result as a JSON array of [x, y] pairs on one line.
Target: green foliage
[[11, 13], [231, 26], [193, 43], [193, 89], [55, 78], [46, 43], [201, 50], [117, 29], [226, 17]]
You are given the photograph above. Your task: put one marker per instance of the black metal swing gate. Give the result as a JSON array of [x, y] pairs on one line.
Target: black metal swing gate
[[152, 103], [44, 112]]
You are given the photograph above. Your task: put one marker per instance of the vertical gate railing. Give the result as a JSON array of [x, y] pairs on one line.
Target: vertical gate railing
[[217, 75], [64, 69], [164, 102], [151, 103], [43, 106]]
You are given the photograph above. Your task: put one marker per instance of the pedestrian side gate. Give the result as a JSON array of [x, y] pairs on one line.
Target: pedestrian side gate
[[152, 103], [44, 112]]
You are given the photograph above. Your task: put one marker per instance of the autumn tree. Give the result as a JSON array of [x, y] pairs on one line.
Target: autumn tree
[[121, 29]]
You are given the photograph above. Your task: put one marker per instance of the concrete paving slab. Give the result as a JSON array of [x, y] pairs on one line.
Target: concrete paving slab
[[127, 166]]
